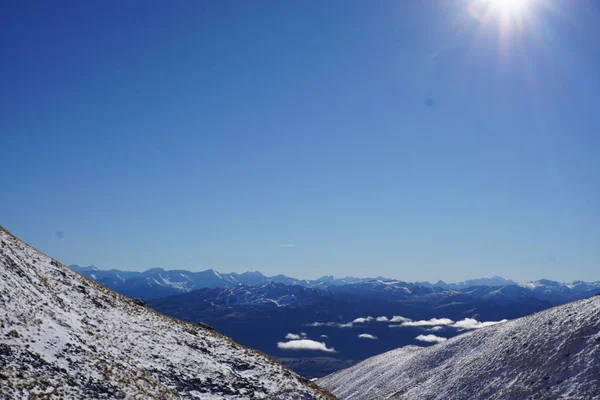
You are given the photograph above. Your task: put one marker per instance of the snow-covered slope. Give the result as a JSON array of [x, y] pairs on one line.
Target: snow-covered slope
[[553, 354], [560, 293], [64, 336]]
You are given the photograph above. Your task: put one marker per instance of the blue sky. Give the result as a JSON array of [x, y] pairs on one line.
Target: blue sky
[[416, 140]]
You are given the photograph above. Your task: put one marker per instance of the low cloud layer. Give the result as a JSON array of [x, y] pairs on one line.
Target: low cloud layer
[[471, 323], [397, 318], [431, 338], [429, 322], [292, 336], [367, 336], [434, 324], [437, 324], [435, 328], [323, 324], [305, 344], [362, 320], [336, 324], [295, 336]]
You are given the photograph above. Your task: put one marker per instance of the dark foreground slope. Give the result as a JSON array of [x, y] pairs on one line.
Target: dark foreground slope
[[553, 354], [64, 336]]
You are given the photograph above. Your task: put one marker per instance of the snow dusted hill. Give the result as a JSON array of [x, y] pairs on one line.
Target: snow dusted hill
[[64, 336], [553, 354]]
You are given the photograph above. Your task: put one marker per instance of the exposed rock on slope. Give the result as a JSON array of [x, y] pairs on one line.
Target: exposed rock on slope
[[548, 355], [64, 336]]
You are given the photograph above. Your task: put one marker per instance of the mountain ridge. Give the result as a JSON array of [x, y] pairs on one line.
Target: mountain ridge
[[63, 335], [551, 354], [158, 282]]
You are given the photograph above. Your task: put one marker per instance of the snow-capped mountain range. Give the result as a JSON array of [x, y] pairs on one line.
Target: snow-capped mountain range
[[157, 283], [64, 336], [553, 354]]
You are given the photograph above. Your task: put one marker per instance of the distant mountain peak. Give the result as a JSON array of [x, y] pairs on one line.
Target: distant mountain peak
[[252, 273], [89, 268], [154, 271], [326, 278]]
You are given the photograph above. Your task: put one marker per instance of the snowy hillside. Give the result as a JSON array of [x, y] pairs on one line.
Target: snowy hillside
[[559, 293], [64, 336], [548, 355]]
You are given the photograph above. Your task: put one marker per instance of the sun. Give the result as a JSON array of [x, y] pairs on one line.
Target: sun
[[511, 20], [512, 7], [485, 10]]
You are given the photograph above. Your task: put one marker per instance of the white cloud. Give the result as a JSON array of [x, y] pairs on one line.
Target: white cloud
[[324, 336], [471, 323], [397, 318], [292, 336], [303, 334], [431, 338], [305, 344], [287, 245], [435, 328], [338, 324], [367, 336], [382, 319], [429, 322], [322, 324], [362, 320]]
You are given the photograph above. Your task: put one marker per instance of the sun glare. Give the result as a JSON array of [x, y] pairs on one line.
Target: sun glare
[[514, 7], [512, 20], [490, 9]]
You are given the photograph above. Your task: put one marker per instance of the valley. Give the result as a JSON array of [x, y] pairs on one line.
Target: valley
[[261, 312]]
